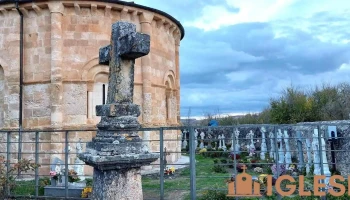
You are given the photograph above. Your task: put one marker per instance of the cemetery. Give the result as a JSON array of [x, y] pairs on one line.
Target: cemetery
[[134, 135]]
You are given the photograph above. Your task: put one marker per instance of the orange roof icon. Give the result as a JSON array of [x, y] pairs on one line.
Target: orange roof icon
[[243, 186]]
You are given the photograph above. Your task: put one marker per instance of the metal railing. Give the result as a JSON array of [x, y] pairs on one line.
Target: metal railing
[[200, 173]]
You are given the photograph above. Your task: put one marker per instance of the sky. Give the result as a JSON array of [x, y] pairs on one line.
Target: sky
[[238, 54]]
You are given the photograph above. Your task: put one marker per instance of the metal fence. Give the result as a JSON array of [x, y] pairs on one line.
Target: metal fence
[[205, 168]]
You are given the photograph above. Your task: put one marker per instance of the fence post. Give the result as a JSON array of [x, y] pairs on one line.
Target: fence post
[[277, 156], [8, 161], [234, 158], [19, 154], [66, 165], [321, 159], [161, 170], [192, 164], [36, 164]]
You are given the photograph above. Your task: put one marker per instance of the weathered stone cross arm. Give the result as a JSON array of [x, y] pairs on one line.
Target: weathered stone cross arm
[[126, 45], [136, 45]]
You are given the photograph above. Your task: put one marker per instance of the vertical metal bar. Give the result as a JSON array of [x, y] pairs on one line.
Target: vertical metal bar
[[277, 156], [19, 149], [36, 163], [66, 165], [161, 172], [320, 155], [103, 94], [192, 165], [334, 167], [8, 161], [234, 160]]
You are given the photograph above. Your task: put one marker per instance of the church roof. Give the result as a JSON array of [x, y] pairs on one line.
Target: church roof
[[131, 4]]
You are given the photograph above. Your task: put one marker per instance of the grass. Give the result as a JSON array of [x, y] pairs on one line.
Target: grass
[[179, 187], [176, 186]]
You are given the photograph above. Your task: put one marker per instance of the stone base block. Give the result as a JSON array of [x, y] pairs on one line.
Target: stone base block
[[55, 191], [117, 184]]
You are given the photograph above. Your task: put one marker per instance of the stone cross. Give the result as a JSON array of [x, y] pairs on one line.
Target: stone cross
[[195, 138], [117, 153], [79, 164], [237, 147], [263, 144], [272, 142], [288, 155], [223, 143], [184, 143], [201, 145], [300, 150], [280, 150]]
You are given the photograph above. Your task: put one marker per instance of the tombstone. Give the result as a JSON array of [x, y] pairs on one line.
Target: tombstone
[[316, 150], [251, 146], [79, 164], [209, 139], [195, 138], [57, 166], [272, 149], [288, 155], [308, 153], [263, 144], [280, 149], [117, 153], [184, 143], [237, 147], [300, 150], [325, 165], [219, 138], [223, 142], [201, 145]]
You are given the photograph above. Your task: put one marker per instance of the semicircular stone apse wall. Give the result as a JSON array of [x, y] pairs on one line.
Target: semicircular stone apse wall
[[62, 79]]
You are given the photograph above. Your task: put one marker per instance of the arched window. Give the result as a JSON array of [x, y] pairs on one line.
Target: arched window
[[170, 99], [99, 93]]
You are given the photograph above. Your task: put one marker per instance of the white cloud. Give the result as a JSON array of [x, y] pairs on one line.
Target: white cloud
[[214, 17]]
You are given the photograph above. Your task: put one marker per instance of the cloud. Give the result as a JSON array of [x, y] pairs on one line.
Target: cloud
[[237, 54]]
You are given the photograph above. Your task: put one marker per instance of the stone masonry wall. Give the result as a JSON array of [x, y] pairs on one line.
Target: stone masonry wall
[[61, 44]]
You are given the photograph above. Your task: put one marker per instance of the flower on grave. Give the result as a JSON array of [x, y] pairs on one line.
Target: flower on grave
[[251, 151], [278, 171], [172, 169], [291, 167], [202, 150], [86, 192], [258, 170], [73, 176], [169, 171], [262, 178], [56, 175]]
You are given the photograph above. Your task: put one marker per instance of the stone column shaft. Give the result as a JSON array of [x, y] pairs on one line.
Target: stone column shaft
[[146, 20], [177, 63], [56, 86], [56, 65]]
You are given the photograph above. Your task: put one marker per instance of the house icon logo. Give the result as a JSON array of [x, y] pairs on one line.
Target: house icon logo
[[243, 186]]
